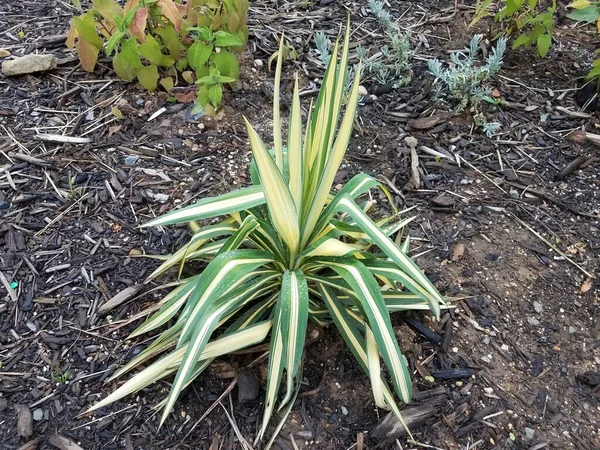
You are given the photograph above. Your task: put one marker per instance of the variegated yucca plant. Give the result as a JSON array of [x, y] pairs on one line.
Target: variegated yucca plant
[[289, 250]]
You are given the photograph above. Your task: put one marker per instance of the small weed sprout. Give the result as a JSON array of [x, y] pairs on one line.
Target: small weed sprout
[[463, 81]]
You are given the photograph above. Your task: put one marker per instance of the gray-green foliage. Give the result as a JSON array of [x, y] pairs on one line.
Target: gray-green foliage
[[463, 81], [391, 64]]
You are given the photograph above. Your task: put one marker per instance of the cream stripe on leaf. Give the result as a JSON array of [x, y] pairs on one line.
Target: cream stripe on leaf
[[277, 358], [391, 250], [279, 200], [168, 364], [220, 275], [197, 240], [294, 298], [207, 208], [334, 159], [205, 321], [295, 150], [368, 293]]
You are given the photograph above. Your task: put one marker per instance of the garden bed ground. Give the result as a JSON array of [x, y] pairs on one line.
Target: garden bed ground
[[492, 219]]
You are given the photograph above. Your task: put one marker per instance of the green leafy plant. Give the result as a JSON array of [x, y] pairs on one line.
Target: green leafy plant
[[589, 12], [289, 250], [463, 81], [530, 20], [161, 41]]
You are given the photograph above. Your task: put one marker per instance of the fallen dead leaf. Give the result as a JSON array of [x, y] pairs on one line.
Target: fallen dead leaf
[[496, 93], [223, 370], [185, 97], [114, 129], [458, 250], [586, 286]]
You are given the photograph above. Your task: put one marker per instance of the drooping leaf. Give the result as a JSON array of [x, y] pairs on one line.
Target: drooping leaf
[[151, 50], [226, 63], [543, 44], [148, 77], [88, 55], [138, 25], [73, 34], [215, 94], [171, 40], [86, 29], [109, 9], [127, 62], [171, 12]]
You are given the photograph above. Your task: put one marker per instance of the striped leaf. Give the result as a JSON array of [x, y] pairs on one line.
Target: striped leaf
[[277, 358], [205, 320], [169, 364], [207, 208], [284, 216], [294, 303], [358, 277], [346, 204]]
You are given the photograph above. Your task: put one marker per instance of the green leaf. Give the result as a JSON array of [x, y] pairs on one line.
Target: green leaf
[[226, 63], [202, 98], [198, 55], [588, 15], [512, 6], [594, 73], [543, 44], [204, 33], [127, 62], [521, 40], [224, 39], [148, 77], [113, 42], [480, 11], [171, 40], [393, 252], [223, 273], [230, 342], [294, 299], [86, 28], [215, 94], [150, 50]]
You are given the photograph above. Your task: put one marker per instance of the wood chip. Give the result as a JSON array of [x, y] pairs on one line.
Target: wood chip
[[574, 114], [120, 298], [31, 445], [62, 139], [24, 421], [63, 443], [425, 123]]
